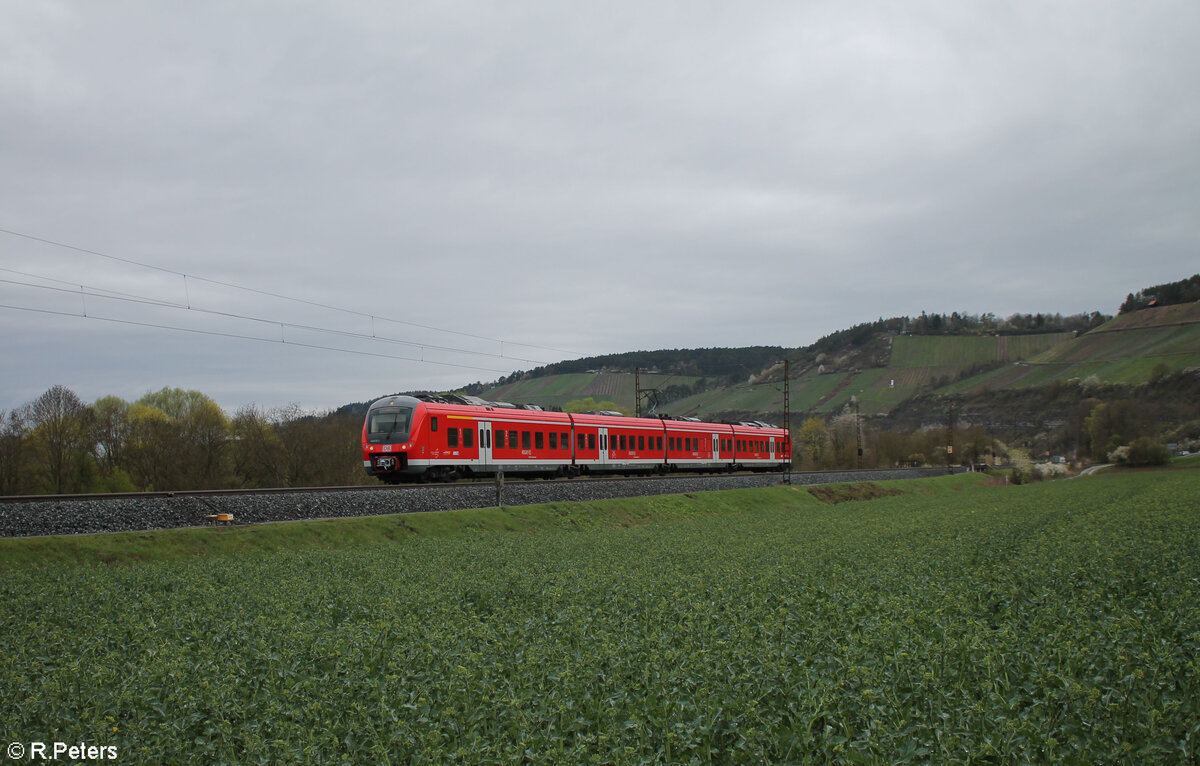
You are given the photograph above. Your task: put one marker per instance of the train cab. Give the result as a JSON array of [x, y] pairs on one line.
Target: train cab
[[388, 437]]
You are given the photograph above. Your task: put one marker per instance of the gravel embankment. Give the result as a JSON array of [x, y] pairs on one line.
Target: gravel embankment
[[146, 513]]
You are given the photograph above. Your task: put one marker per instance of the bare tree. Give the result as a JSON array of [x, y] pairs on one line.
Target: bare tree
[[62, 428], [14, 451]]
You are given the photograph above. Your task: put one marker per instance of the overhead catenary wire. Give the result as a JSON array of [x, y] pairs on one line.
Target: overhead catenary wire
[[280, 341], [83, 291], [266, 293]]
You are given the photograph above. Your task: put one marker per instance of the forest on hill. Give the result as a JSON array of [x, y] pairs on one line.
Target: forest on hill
[[1169, 294]]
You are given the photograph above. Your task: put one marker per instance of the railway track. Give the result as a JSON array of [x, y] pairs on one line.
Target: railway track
[[144, 511]]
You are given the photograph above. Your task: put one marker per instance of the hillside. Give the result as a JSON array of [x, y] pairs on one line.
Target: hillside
[[884, 366], [1128, 349]]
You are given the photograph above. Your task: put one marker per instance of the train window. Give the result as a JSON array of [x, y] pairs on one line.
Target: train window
[[433, 424], [622, 441], [658, 440], [499, 440], [565, 440], [641, 443], [451, 437], [512, 439], [524, 440], [390, 421], [468, 437], [538, 440], [580, 441], [591, 441], [553, 440]]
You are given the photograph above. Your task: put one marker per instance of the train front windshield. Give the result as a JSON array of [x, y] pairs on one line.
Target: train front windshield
[[388, 424]]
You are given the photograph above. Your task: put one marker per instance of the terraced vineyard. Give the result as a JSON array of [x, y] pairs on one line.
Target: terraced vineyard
[[1127, 349], [1056, 622], [957, 352]]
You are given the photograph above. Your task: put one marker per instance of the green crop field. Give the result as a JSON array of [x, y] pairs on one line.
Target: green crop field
[[954, 623]]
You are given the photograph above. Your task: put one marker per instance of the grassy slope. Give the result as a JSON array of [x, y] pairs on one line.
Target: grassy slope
[[130, 547], [963, 351], [1124, 350], [558, 390]]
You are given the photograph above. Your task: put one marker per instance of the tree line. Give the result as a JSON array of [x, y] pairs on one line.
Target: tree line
[[171, 440], [1169, 294]]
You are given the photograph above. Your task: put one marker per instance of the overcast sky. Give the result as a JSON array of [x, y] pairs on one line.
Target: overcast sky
[[580, 178]]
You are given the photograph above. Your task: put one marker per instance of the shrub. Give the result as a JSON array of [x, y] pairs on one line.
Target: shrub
[[1022, 466], [1146, 451], [1049, 470]]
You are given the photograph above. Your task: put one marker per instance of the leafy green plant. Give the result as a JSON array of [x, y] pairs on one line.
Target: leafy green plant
[[1051, 622]]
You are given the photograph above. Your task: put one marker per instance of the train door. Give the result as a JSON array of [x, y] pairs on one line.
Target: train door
[[485, 443], [716, 447], [603, 437]]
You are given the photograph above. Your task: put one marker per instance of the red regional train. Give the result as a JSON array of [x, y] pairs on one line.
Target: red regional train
[[406, 438]]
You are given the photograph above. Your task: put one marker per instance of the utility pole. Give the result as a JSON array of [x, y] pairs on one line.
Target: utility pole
[[858, 431], [951, 418], [787, 420], [637, 392]]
